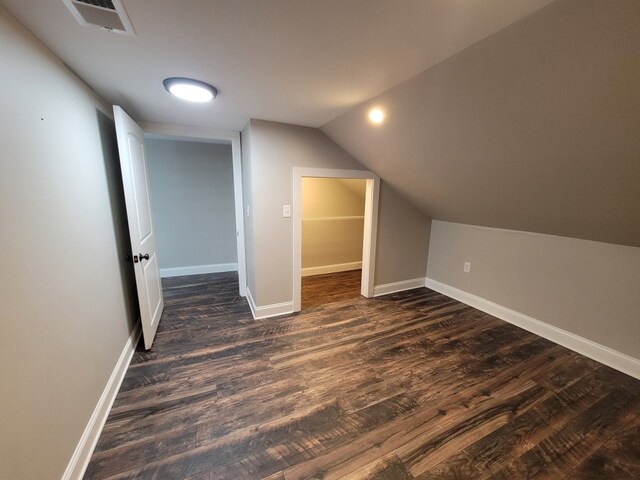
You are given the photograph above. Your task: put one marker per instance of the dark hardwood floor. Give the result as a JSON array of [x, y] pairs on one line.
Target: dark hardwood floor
[[333, 287], [412, 385]]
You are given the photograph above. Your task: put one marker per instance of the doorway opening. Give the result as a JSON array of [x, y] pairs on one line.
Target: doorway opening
[[135, 179], [196, 177], [332, 236], [335, 224], [191, 190]]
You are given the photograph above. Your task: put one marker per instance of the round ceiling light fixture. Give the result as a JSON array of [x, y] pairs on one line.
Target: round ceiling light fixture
[[376, 115], [190, 90]]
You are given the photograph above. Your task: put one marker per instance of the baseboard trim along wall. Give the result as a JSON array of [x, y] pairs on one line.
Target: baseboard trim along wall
[[82, 454], [388, 288], [335, 268], [266, 311], [198, 269], [605, 355]]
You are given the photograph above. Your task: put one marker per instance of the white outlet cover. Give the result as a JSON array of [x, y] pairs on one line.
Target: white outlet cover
[[286, 211], [467, 267]]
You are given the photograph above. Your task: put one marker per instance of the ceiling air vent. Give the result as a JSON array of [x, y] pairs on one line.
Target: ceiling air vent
[[106, 14]]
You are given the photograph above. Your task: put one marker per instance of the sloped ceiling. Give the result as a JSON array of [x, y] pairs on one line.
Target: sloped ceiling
[[535, 128], [359, 187]]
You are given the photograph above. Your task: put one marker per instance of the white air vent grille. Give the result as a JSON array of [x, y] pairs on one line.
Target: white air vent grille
[[98, 3], [106, 14]]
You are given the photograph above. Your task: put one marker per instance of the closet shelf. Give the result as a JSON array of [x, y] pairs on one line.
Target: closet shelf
[[323, 219]]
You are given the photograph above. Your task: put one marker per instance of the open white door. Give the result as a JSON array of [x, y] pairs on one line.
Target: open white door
[[143, 242]]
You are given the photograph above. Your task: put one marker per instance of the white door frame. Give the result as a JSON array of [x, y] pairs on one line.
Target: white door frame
[[208, 135], [370, 225]]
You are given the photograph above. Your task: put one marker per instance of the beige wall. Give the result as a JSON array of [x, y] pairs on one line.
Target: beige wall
[[332, 221], [332, 197], [192, 200], [587, 288], [67, 295], [274, 150]]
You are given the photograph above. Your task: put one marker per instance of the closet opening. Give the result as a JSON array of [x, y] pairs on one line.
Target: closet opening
[[332, 236], [335, 223]]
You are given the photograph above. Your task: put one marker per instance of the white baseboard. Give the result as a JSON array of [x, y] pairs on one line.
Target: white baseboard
[[82, 454], [588, 348], [388, 288], [267, 311], [198, 269], [335, 268]]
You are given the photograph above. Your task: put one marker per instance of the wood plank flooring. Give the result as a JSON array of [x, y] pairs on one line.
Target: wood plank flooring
[[412, 385], [333, 287]]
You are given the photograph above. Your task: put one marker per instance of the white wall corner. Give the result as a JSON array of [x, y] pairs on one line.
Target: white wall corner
[[198, 269], [266, 311], [600, 353], [401, 286], [82, 455]]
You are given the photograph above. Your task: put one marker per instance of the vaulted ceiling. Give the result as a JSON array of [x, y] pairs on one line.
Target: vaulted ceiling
[[535, 128], [522, 114]]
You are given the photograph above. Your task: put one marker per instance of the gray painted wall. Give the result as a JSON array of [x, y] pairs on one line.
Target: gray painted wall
[[534, 128], [192, 202], [585, 287], [403, 239], [275, 148], [67, 293]]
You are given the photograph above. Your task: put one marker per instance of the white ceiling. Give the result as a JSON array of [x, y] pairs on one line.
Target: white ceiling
[[296, 61]]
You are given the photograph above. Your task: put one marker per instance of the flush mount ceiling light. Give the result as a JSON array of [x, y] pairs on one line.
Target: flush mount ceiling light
[[190, 90], [376, 115]]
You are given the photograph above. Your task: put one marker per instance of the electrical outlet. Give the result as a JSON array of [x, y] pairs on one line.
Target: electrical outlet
[[467, 267], [286, 211]]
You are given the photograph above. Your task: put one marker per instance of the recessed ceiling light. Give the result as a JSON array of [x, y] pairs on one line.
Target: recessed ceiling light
[[376, 115], [190, 90]]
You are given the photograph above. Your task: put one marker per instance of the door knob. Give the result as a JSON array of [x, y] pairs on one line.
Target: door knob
[[144, 257]]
